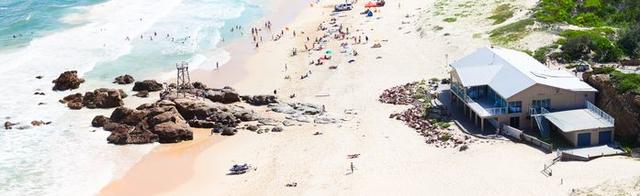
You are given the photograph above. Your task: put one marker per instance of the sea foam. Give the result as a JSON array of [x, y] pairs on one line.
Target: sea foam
[[68, 157]]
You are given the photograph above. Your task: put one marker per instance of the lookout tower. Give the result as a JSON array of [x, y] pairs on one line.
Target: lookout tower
[[183, 81]]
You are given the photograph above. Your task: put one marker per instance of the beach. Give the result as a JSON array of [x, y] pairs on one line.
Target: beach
[[394, 159]]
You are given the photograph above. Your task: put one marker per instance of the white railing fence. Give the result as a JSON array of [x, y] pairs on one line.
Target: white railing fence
[[600, 113]]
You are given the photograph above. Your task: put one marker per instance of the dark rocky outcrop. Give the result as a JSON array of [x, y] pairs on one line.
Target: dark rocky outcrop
[[67, 81], [104, 98], [147, 85], [624, 107], [124, 79], [226, 95], [9, 125], [229, 131], [100, 121], [99, 98], [260, 100], [142, 94], [152, 124]]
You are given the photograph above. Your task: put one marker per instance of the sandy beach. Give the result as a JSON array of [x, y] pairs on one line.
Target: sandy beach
[[394, 159]]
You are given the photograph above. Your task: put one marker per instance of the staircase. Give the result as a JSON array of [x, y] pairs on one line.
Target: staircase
[[538, 116]]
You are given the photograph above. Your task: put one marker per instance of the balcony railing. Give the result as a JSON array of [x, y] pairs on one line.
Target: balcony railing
[[497, 111], [460, 92], [600, 113]]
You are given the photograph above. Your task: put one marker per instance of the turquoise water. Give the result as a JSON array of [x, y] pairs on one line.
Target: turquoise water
[[68, 157], [29, 19]]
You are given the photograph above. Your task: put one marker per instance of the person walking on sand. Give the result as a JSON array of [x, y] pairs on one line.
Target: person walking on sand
[[217, 65]]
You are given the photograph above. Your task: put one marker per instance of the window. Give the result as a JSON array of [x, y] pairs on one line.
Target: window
[[515, 107], [543, 103]]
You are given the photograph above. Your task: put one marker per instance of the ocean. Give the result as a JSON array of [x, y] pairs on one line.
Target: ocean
[[101, 39]]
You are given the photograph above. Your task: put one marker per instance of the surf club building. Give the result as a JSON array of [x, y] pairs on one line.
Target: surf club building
[[502, 87]]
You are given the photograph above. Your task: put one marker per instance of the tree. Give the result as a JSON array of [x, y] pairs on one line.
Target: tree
[[630, 42]]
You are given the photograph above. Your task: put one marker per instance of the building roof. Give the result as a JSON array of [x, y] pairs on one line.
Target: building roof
[[577, 120], [508, 72]]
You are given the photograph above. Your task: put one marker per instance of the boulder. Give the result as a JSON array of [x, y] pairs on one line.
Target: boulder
[[128, 116], [142, 94], [37, 123], [228, 131], [199, 85], [202, 124], [147, 85], [277, 129], [252, 127], [104, 98], [124, 79], [260, 100], [99, 121], [67, 81], [226, 95], [9, 125], [154, 123], [73, 101]]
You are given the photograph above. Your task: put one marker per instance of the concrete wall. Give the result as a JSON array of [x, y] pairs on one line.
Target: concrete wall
[[572, 137], [560, 100]]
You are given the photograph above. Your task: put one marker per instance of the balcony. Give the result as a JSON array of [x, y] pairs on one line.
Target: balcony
[[486, 102]]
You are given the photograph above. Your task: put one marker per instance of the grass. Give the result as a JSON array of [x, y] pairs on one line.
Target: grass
[[501, 13], [511, 32], [450, 19]]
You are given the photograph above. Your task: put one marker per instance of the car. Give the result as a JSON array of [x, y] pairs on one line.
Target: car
[[343, 7]]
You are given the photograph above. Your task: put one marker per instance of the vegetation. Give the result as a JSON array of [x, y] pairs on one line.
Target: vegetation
[[501, 13], [511, 32], [623, 82], [589, 13], [630, 42], [450, 19], [541, 53], [590, 45]]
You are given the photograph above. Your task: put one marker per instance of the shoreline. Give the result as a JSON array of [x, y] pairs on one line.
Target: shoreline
[[229, 74]]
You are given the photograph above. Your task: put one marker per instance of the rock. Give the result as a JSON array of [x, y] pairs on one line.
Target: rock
[[73, 101], [226, 95], [147, 85], [9, 125], [228, 131], [202, 124], [67, 80], [75, 105], [277, 129], [268, 121], [142, 94], [199, 85], [99, 121], [463, 148], [623, 107], [155, 123], [104, 98], [252, 127], [37, 123], [260, 100], [128, 116], [124, 79], [287, 123], [324, 120], [38, 77]]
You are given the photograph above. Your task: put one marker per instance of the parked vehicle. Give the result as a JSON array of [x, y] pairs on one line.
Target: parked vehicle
[[343, 7]]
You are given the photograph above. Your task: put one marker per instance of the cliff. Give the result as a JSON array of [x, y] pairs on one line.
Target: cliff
[[624, 107]]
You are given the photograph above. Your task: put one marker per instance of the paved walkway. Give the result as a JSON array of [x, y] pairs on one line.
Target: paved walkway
[[588, 153]]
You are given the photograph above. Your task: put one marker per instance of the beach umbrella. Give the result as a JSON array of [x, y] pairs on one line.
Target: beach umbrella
[[370, 4]]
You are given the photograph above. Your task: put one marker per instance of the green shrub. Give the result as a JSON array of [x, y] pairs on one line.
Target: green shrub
[[626, 82], [630, 42], [541, 53], [579, 45], [603, 70], [450, 19]]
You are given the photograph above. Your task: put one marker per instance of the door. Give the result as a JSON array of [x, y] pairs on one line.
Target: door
[[604, 137], [514, 122], [584, 139]]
